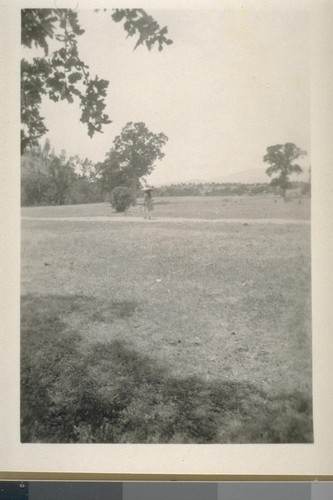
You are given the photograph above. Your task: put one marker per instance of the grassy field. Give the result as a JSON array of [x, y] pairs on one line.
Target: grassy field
[[185, 333], [220, 207]]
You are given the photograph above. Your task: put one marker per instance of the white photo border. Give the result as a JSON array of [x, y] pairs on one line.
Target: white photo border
[[201, 462]]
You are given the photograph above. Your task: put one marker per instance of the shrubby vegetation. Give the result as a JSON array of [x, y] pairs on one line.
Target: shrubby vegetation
[[50, 179], [121, 198]]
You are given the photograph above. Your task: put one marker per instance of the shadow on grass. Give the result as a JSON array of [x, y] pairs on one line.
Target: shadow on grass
[[114, 394]]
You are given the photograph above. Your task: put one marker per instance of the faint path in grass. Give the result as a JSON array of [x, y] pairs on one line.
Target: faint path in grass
[[100, 218]]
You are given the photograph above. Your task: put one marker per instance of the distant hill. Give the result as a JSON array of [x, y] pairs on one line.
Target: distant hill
[[251, 176]]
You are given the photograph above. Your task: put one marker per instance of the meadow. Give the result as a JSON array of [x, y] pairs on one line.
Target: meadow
[[195, 332], [219, 207]]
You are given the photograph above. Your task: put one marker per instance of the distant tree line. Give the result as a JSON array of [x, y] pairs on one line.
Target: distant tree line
[[51, 179], [228, 189]]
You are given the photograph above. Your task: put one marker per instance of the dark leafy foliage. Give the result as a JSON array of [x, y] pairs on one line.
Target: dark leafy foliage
[[62, 75], [121, 198], [55, 76], [110, 173], [49, 179], [281, 159], [38, 25], [132, 156], [138, 22]]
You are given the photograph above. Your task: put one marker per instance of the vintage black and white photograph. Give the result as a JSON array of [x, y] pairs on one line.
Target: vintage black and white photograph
[[166, 226]]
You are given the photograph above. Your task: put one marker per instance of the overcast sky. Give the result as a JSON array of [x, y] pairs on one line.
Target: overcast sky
[[231, 84]]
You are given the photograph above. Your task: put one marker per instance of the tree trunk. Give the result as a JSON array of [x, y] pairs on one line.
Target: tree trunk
[[284, 185]]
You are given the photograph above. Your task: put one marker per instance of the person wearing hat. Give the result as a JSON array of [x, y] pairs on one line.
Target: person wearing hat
[[147, 202]]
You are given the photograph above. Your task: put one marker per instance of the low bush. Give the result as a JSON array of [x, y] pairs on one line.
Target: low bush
[[121, 198]]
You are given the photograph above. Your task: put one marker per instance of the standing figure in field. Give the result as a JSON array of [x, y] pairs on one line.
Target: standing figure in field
[[147, 203]]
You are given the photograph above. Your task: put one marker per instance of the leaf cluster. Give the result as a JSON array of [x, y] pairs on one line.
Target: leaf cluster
[[138, 22], [61, 76], [280, 158], [39, 25], [132, 156]]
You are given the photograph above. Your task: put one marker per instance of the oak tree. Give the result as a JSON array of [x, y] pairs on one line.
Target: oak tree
[[281, 159], [132, 156]]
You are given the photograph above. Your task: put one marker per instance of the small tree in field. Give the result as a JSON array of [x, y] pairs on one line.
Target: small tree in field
[[281, 159], [132, 156], [121, 198]]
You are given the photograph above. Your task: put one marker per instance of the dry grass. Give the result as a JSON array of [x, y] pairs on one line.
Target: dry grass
[[201, 333], [219, 207]]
